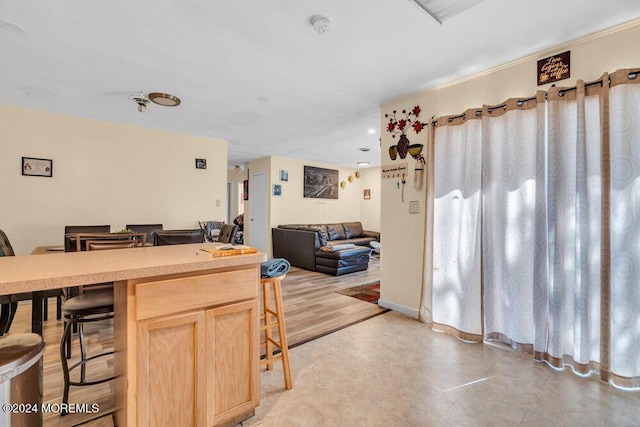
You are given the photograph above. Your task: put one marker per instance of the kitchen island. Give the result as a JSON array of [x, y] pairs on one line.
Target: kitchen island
[[185, 328]]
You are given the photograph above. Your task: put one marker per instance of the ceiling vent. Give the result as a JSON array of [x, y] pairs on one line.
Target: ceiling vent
[[441, 10]]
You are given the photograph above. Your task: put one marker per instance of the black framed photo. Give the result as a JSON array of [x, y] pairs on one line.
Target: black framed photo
[[201, 163], [320, 183], [32, 166], [284, 175]]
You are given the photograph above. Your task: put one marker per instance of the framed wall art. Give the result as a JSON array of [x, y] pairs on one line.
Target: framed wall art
[[201, 163], [245, 189], [321, 183], [277, 189], [32, 166], [284, 175]]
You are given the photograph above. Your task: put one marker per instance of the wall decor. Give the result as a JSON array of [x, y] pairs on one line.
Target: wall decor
[[277, 189], [201, 163], [245, 189], [284, 175], [367, 193], [399, 126], [320, 183], [554, 68], [395, 171], [343, 184], [32, 166]]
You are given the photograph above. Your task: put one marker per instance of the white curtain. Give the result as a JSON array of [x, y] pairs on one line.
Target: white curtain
[[569, 332], [457, 162], [536, 226], [509, 160], [625, 228]]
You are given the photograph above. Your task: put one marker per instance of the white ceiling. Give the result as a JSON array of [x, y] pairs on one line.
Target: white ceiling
[[84, 58]]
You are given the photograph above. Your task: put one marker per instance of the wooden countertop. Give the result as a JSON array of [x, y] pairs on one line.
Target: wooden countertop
[[29, 273]]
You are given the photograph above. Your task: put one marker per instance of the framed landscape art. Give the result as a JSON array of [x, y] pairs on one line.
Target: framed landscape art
[[320, 183]]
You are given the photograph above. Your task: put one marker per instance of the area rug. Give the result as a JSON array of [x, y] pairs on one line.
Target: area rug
[[369, 293]]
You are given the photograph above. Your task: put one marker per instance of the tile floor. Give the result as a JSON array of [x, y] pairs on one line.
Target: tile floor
[[395, 371]]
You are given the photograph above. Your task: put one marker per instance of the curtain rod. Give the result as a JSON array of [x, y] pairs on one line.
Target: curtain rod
[[632, 76]]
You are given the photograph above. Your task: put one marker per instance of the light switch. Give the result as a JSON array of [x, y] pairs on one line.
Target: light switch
[[217, 203], [414, 207]]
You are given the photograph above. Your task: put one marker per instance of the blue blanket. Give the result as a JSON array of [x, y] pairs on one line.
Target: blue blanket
[[274, 267]]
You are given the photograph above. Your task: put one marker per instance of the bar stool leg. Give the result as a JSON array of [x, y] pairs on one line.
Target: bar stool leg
[[268, 335], [282, 332], [275, 319]]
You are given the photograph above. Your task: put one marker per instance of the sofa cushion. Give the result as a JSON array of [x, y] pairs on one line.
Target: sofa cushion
[[352, 229], [321, 229], [360, 241], [335, 232]]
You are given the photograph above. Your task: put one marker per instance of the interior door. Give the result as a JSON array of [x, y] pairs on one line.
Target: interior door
[[258, 215]]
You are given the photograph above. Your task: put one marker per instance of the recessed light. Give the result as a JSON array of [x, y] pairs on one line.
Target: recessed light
[[164, 99], [11, 27], [262, 99], [365, 149], [372, 131], [363, 163]]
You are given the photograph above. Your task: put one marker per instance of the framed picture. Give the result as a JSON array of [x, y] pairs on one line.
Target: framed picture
[[32, 166], [201, 163], [245, 189], [320, 183], [367, 193], [277, 189], [284, 175]]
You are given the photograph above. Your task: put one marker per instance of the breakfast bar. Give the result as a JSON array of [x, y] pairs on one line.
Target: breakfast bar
[[185, 328]]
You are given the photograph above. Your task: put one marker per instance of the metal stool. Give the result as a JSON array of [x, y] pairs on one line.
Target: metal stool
[[93, 306], [273, 319]]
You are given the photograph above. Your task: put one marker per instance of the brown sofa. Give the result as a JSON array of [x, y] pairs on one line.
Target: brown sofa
[[300, 244]]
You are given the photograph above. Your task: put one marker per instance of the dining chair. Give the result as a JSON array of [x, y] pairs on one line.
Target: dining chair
[[71, 230], [177, 237], [9, 303], [228, 233], [94, 303], [149, 229], [211, 229]]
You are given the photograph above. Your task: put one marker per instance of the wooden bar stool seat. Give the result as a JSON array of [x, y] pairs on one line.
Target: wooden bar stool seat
[[273, 317]]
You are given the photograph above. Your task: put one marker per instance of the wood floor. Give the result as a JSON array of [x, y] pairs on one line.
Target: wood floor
[[312, 308]]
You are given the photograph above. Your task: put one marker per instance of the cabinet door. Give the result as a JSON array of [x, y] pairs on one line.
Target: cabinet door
[[233, 354], [171, 359]]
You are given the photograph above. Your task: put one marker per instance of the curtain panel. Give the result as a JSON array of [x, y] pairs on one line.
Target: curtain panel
[[624, 211], [535, 209], [569, 330], [510, 139], [457, 166]]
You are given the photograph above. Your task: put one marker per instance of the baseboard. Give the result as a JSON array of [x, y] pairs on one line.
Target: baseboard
[[408, 311]]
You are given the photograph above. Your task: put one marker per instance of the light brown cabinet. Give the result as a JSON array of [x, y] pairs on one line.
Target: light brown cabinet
[[192, 353]]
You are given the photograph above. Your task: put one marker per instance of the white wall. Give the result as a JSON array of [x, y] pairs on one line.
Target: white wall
[[103, 173], [403, 267]]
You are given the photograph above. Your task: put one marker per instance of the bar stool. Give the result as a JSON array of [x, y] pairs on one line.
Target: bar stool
[[274, 319], [93, 305]]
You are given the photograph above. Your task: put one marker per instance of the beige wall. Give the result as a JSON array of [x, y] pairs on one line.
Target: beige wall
[[291, 207], [103, 173], [370, 209], [402, 268]]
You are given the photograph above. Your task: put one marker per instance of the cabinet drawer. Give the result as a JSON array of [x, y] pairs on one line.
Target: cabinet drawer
[[164, 297]]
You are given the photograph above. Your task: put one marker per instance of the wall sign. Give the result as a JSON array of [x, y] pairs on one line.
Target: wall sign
[[554, 68], [395, 171], [37, 167]]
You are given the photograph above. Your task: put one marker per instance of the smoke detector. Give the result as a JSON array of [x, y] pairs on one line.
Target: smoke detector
[[321, 24], [141, 100]]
